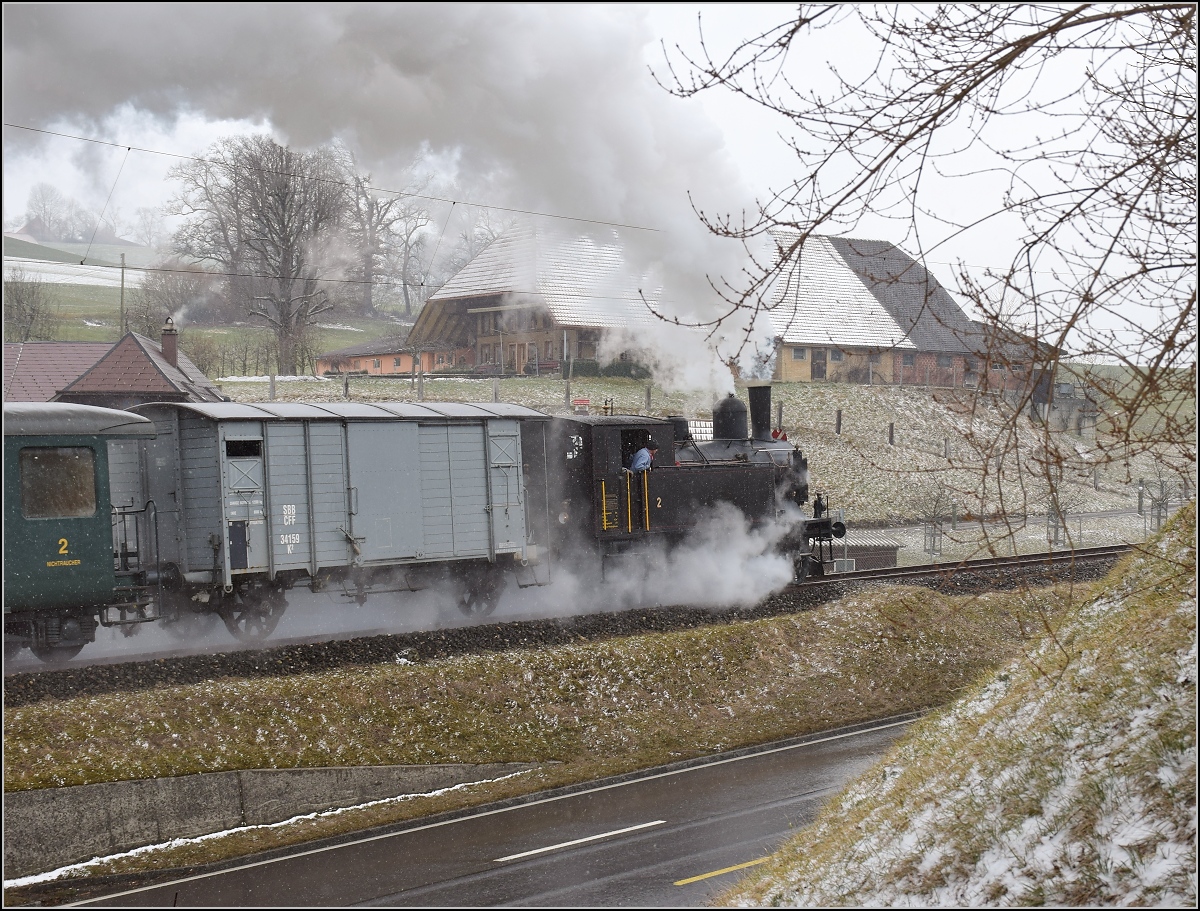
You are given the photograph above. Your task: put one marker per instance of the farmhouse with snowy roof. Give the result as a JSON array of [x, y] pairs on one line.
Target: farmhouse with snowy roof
[[864, 311], [530, 292]]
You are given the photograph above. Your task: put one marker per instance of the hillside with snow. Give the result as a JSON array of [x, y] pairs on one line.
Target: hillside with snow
[[1067, 778]]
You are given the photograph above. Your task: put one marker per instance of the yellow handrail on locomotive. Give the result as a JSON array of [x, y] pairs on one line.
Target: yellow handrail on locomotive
[[606, 522], [646, 497], [628, 505]]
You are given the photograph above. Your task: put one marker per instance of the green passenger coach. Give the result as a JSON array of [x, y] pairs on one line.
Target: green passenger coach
[[59, 565]]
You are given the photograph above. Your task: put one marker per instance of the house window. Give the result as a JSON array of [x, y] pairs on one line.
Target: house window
[[945, 360], [874, 358], [969, 365], [549, 351], [354, 364], [910, 360], [375, 363], [835, 355], [799, 354], [997, 366], [441, 359], [396, 363]]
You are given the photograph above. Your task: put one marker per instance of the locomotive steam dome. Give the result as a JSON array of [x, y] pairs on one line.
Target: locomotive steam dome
[[729, 419]]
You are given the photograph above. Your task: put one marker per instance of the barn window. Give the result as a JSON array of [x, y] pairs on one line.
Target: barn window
[[58, 482], [799, 354], [910, 360], [836, 355]]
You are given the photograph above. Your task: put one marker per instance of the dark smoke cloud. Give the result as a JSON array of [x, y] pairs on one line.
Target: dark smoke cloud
[[541, 107]]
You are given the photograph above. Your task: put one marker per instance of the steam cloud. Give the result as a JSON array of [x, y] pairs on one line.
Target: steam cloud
[[543, 108]]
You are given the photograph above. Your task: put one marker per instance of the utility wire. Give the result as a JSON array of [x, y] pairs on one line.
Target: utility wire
[[341, 183], [94, 269]]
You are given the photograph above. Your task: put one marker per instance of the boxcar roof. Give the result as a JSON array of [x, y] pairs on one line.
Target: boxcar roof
[[27, 419], [317, 411]]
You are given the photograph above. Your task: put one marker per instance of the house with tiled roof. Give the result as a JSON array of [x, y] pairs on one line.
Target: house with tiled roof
[[864, 311], [394, 355], [136, 370], [530, 295], [36, 371]]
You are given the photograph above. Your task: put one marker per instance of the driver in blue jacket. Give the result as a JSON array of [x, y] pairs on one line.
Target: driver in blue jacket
[[643, 459]]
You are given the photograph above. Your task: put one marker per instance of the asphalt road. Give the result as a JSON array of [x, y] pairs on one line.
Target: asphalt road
[[669, 838]]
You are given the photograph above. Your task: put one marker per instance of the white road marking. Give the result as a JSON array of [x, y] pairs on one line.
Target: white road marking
[[509, 809], [578, 841]]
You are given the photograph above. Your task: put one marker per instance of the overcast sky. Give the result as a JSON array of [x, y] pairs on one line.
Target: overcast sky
[[545, 107]]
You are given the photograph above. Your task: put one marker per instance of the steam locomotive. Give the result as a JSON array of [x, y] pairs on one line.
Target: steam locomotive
[[169, 511]]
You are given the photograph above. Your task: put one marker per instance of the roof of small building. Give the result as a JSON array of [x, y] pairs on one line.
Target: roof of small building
[[852, 293], [392, 344], [35, 371], [583, 280], [136, 365]]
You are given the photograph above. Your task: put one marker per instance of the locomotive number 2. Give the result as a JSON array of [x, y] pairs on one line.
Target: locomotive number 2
[[658, 505], [62, 546]]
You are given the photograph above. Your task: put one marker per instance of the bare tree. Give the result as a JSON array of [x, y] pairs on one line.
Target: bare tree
[[1092, 111], [271, 218], [387, 229], [175, 289], [46, 212], [30, 308], [147, 228]]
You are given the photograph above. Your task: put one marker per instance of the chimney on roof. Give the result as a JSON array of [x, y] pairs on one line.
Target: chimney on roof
[[170, 342]]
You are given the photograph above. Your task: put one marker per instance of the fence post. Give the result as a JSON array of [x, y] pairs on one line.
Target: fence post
[[421, 386], [1141, 497], [779, 415], [946, 448], [346, 386], [648, 389], [270, 388], [838, 426], [495, 389], [892, 433]]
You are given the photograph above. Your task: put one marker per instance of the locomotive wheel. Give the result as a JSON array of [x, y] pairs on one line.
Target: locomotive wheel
[[481, 594], [255, 618], [55, 654]]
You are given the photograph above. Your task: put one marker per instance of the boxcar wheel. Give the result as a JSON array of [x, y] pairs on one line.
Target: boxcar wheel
[[254, 615], [55, 654], [481, 594]]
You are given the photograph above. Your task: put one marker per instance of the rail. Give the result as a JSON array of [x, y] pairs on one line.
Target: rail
[[925, 570]]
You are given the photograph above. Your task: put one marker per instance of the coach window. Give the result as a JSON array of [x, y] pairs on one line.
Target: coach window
[[58, 483], [799, 354]]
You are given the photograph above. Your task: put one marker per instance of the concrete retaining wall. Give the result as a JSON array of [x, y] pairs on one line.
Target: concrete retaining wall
[[49, 828]]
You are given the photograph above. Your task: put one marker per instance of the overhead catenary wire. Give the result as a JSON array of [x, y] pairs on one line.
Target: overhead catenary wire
[[330, 180], [94, 269]]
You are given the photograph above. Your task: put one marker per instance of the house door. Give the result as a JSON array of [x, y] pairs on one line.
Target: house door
[[818, 363]]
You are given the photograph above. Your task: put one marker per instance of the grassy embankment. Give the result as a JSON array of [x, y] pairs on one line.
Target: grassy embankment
[[590, 710], [1066, 778]]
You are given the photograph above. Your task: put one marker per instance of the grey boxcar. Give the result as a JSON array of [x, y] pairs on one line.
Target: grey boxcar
[[253, 499]]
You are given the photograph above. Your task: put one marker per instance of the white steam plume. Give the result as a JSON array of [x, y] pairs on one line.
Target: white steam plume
[[539, 107]]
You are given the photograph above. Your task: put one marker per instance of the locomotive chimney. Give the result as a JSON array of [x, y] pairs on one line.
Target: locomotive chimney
[[729, 419], [170, 343], [760, 410]]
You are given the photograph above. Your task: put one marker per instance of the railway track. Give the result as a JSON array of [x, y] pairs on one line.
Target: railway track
[[966, 577]]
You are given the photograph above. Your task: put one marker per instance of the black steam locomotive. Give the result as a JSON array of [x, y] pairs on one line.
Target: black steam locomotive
[[170, 511]]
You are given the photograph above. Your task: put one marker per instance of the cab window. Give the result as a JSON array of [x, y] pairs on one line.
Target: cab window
[[58, 482]]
